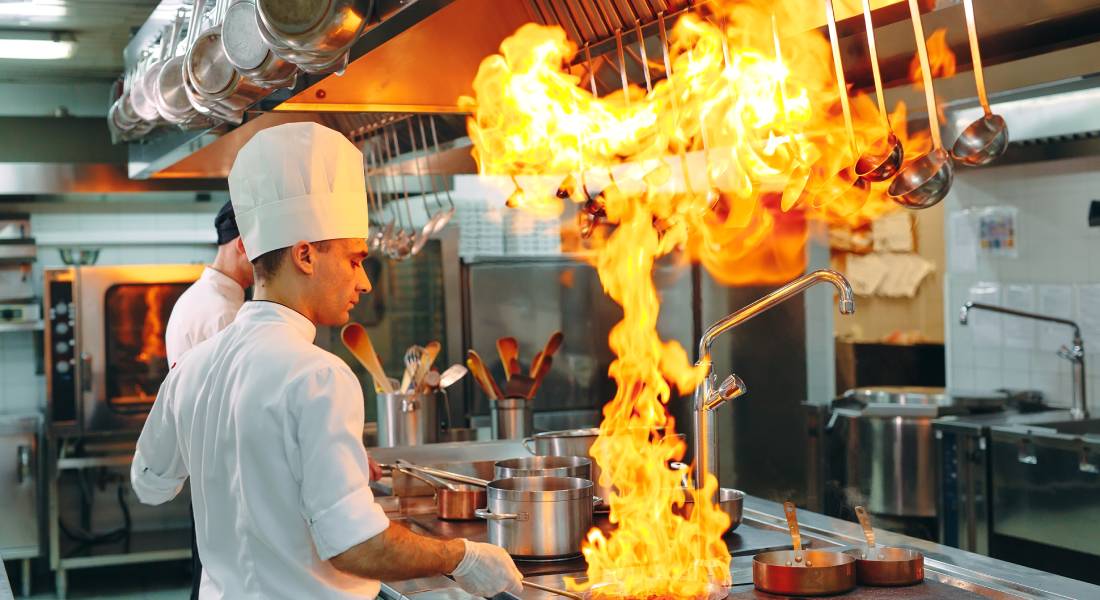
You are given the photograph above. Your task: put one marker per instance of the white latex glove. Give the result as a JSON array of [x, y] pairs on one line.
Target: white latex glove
[[487, 570]]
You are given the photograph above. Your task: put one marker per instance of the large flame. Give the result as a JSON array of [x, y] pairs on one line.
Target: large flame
[[723, 161]]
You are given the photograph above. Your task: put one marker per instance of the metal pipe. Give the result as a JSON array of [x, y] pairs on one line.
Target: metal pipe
[[706, 400], [1079, 409]]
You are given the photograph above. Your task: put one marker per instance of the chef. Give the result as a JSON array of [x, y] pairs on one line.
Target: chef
[[205, 308], [268, 426], [211, 302]]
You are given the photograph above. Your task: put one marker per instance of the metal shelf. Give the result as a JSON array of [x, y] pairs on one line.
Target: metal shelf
[[143, 546], [27, 326]]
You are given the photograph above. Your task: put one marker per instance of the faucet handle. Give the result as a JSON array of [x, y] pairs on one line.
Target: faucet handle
[[1072, 354], [732, 387]]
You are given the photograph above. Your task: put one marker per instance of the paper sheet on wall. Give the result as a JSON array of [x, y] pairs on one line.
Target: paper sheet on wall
[[904, 274], [1088, 315], [987, 325], [1055, 301], [962, 252], [865, 273], [893, 232], [1019, 333]]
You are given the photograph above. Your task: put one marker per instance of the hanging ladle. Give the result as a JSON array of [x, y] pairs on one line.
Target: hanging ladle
[[925, 181], [848, 176], [987, 138], [883, 159]]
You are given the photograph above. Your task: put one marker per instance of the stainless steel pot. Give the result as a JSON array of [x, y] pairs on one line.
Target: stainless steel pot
[[544, 466], [541, 518], [325, 28], [730, 501], [214, 80], [248, 53], [407, 419], [570, 442]]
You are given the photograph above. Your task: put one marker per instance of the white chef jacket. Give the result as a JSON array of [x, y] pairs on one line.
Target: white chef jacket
[[269, 427], [204, 309]]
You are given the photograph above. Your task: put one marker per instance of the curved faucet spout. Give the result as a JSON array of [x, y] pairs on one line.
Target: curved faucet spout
[[706, 399]]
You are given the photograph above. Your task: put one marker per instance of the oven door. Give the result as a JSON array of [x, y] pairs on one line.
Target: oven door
[[121, 317]]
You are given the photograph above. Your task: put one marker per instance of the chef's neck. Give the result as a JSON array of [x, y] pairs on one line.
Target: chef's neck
[[283, 288], [229, 264]]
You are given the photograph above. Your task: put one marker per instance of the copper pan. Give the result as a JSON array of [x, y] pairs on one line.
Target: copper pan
[[885, 565], [801, 572]]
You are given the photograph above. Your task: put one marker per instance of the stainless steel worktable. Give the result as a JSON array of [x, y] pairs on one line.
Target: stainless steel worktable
[[950, 572]]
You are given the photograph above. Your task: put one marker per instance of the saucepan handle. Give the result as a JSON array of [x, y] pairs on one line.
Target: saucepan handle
[[528, 448], [596, 501], [484, 513]]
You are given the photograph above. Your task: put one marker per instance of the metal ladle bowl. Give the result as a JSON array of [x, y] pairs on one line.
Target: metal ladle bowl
[[982, 141], [882, 160], [925, 181]]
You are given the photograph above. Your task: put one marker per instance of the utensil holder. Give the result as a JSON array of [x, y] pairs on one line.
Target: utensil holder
[[512, 418], [407, 419]]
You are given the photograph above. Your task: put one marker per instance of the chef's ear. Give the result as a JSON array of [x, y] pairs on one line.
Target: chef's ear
[[304, 256], [239, 243]]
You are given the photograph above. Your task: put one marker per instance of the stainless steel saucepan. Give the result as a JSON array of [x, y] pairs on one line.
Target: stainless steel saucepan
[[246, 50], [314, 35]]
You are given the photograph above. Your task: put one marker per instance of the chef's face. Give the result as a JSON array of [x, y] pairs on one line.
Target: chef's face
[[340, 280]]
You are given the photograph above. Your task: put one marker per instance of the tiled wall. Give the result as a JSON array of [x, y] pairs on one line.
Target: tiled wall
[[1057, 260], [127, 235]]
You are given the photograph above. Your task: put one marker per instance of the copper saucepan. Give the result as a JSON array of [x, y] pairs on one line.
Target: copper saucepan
[[454, 502], [801, 572], [885, 565]]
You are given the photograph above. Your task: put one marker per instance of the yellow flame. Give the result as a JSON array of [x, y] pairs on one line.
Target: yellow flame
[[722, 162]]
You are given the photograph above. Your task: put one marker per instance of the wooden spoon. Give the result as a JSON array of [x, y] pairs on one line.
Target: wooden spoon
[[427, 359], [508, 349], [481, 375], [544, 368], [548, 350], [357, 340]]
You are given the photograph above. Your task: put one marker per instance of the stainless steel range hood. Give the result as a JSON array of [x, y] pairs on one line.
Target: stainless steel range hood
[[424, 54]]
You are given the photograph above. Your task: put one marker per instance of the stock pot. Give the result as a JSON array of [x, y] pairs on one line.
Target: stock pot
[[539, 518]]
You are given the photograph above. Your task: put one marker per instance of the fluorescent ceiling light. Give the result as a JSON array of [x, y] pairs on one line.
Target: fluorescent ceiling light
[[24, 49], [31, 9]]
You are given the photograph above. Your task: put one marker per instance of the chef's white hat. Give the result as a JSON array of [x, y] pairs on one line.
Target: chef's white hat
[[298, 181]]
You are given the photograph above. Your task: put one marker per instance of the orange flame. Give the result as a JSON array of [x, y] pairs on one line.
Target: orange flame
[[722, 162], [152, 330], [940, 59]]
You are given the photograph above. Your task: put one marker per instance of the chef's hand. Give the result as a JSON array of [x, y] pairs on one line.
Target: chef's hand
[[487, 570], [375, 469]]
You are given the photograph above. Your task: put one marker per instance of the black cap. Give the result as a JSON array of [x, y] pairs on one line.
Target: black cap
[[226, 224]]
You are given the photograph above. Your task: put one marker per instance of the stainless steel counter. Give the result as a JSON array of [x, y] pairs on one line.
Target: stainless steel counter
[[950, 572]]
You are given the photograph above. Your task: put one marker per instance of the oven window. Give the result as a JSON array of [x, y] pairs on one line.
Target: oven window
[[137, 314]]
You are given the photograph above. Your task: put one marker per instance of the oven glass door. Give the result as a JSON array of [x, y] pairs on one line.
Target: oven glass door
[[136, 316]]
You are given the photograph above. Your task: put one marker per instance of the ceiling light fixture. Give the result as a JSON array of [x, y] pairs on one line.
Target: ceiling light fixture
[[19, 45], [33, 9]]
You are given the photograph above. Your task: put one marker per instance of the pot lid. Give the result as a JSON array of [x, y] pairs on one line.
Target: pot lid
[[241, 38]]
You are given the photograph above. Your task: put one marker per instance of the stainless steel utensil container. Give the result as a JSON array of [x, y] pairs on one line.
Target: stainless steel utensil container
[[512, 418], [544, 466], [407, 419], [539, 517]]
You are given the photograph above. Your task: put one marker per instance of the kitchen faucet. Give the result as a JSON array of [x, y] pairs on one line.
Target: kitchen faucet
[[1075, 354], [709, 396]]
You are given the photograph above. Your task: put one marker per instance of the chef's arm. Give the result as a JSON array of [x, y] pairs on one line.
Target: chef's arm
[[398, 554], [157, 472]]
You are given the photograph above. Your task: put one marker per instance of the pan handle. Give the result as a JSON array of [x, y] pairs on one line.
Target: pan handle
[[596, 501], [529, 440], [485, 513]]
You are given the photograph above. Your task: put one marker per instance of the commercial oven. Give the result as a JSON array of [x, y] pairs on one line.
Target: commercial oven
[[104, 343]]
